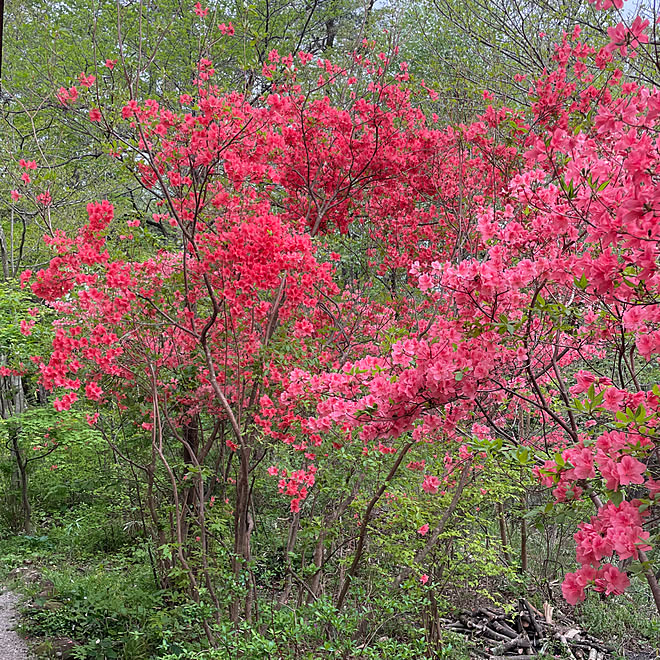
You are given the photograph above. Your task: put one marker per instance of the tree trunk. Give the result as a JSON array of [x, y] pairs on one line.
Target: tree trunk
[[503, 534], [12, 404], [523, 537], [438, 529], [290, 545], [21, 464], [243, 525], [364, 524]]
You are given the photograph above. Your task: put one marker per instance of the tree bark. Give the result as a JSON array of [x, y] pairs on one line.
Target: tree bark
[[438, 529], [11, 406], [21, 468], [365, 523], [243, 525], [503, 533], [523, 536]]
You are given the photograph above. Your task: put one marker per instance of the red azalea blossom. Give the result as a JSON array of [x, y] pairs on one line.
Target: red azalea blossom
[[201, 12]]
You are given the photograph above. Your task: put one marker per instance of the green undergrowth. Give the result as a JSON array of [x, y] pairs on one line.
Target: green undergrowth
[[626, 623], [110, 605]]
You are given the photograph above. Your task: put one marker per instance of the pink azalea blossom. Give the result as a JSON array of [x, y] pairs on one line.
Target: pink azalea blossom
[[630, 471], [611, 580], [430, 484]]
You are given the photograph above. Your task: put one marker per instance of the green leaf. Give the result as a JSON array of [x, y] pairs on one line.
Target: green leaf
[[591, 392], [581, 283], [522, 455], [616, 497]]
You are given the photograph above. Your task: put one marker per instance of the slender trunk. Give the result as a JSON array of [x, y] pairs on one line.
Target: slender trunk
[[329, 519], [13, 404], [503, 534], [157, 443], [651, 579], [439, 528], [315, 582], [140, 507], [191, 441], [3, 252], [158, 533], [243, 525], [523, 536], [365, 524], [25, 501], [290, 545], [21, 466], [243, 522]]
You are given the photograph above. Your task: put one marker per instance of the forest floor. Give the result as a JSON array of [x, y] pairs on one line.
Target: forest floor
[[67, 608], [12, 647]]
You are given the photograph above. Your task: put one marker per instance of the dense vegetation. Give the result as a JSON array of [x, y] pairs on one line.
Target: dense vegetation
[[321, 322]]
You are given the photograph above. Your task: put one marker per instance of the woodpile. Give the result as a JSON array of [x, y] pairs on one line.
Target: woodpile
[[527, 634]]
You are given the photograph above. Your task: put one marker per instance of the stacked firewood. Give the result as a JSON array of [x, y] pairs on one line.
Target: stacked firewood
[[528, 633]]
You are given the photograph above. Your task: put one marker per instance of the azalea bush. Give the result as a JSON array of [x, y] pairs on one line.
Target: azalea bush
[[349, 346]]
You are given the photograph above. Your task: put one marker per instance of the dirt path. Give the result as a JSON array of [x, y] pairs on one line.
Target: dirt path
[[12, 647]]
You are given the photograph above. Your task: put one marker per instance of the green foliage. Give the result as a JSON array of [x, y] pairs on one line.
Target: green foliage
[[619, 622], [102, 607], [119, 586], [115, 611], [314, 631]]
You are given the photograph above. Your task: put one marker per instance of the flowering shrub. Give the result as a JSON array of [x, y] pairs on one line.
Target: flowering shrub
[[526, 245]]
